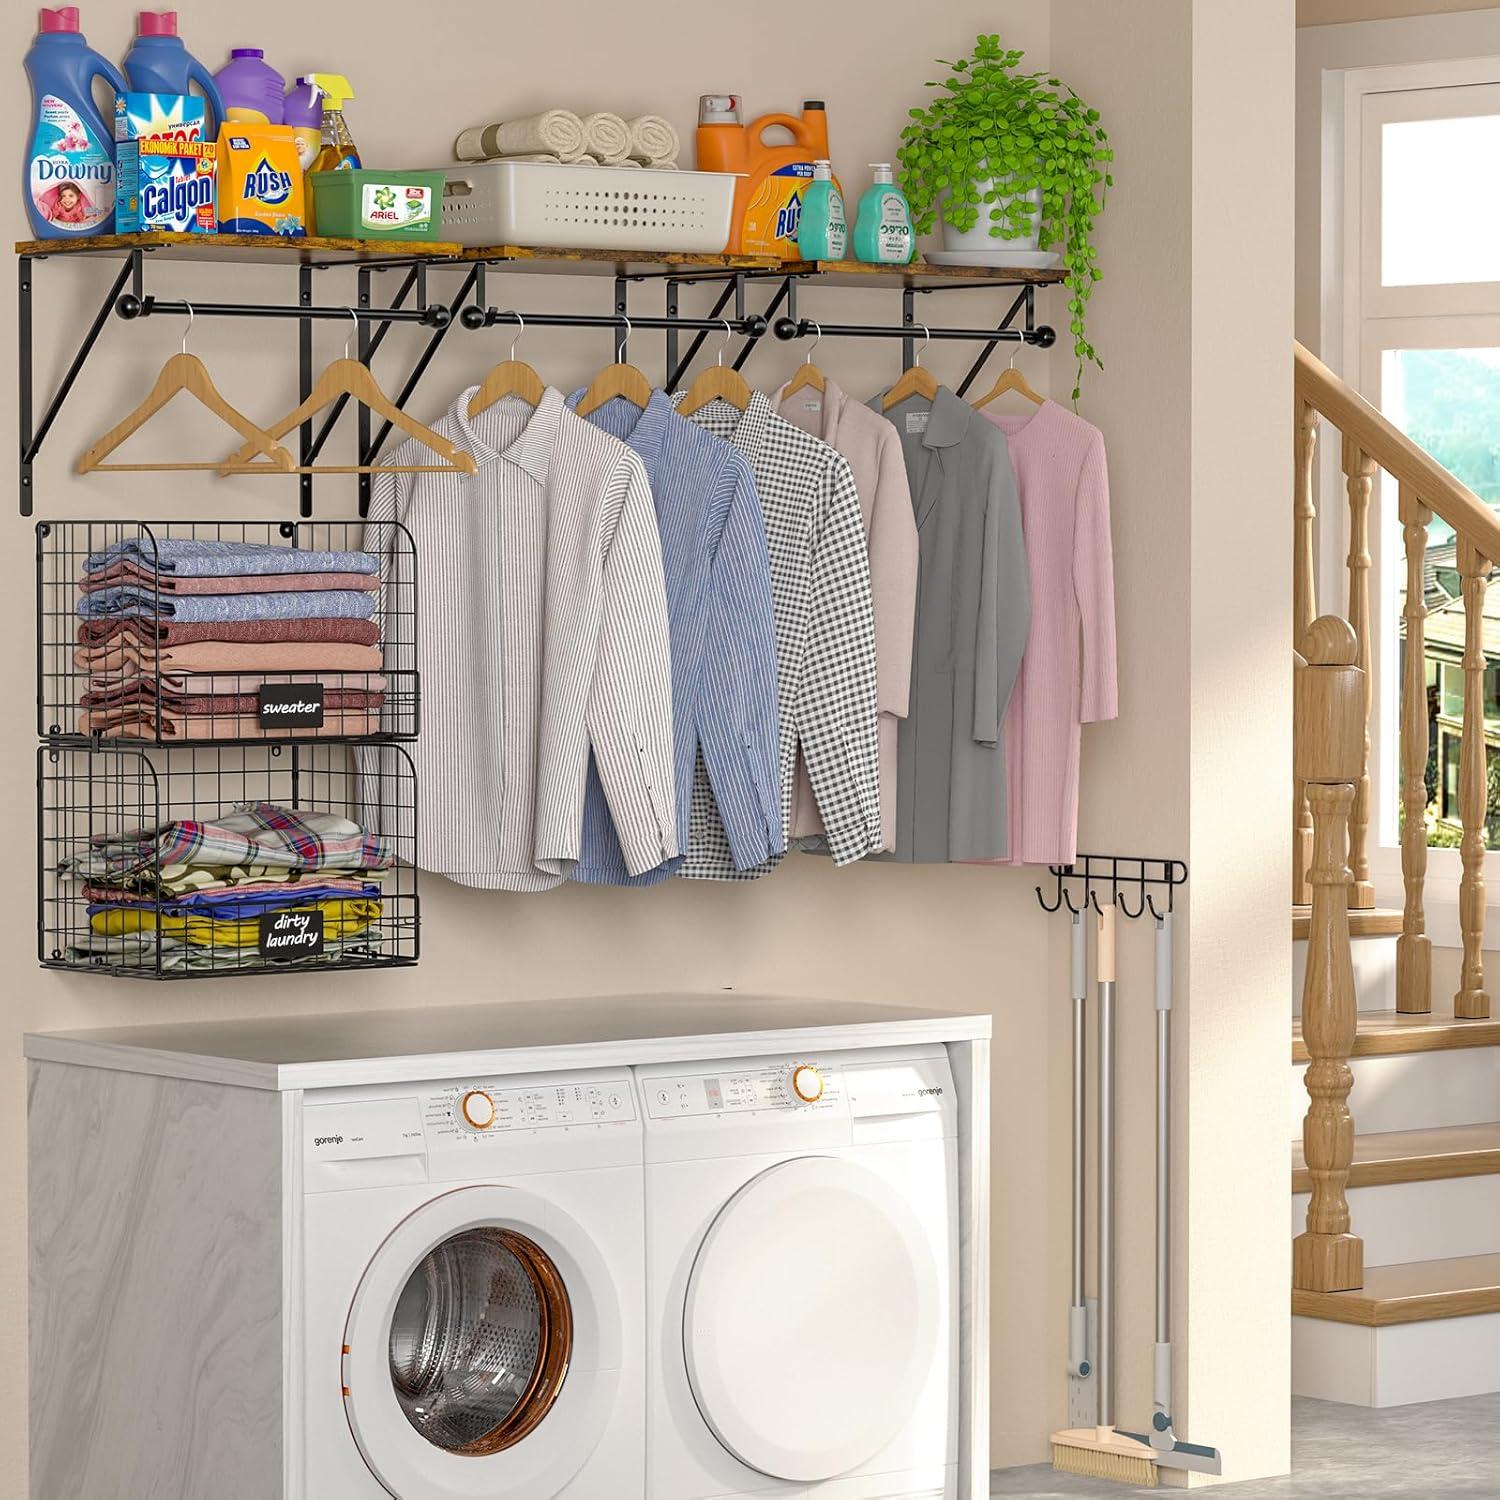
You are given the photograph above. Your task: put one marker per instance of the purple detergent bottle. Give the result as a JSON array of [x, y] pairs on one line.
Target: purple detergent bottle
[[69, 172], [252, 90], [158, 63]]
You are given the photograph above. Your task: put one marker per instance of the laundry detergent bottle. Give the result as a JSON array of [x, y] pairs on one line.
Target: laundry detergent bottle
[[158, 63], [252, 90], [69, 172], [768, 195]]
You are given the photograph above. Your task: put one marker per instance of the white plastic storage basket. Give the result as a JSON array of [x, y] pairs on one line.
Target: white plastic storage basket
[[584, 207]]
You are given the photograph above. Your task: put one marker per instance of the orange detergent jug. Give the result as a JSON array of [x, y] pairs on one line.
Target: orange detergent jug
[[768, 195]]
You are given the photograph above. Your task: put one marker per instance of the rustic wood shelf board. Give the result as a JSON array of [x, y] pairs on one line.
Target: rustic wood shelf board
[[1414, 1156], [1410, 1293], [246, 249], [1389, 1033]]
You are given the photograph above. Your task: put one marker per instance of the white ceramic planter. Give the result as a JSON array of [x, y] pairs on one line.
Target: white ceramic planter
[[977, 246]]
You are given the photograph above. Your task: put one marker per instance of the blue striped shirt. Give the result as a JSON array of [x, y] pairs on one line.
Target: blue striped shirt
[[718, 584]]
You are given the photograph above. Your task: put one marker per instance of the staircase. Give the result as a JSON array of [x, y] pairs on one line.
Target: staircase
[[1395, 1093]]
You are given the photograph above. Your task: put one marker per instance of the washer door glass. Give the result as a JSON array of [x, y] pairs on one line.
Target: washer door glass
[[480, 1341], [812, 1318]]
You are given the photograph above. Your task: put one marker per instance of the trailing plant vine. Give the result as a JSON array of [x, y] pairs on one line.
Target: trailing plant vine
[[1013, 132]]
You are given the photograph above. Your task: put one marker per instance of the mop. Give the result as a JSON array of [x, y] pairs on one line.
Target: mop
[[1100, 1451], [1162, 1440]]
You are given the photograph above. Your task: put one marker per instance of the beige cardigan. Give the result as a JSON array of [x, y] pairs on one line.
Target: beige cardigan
[[872, 448]]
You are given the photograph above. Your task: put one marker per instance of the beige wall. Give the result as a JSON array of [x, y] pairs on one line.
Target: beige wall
[[968, 937]]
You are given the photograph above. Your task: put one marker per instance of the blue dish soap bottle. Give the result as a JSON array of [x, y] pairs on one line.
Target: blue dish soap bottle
[[69, 180], [158, 63], [883, 233], [822, 232]]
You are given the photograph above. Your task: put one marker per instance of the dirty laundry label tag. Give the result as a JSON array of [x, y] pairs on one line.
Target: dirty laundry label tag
[[291, 705], [291, 934], [916, 421]]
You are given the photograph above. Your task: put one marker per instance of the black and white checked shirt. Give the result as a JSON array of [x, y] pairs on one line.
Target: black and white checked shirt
[[825, 638]]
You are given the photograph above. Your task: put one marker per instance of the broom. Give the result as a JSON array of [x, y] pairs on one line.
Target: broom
[[1101, 1452]]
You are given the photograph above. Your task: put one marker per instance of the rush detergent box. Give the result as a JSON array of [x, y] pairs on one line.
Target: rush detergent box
[[166, 169], [260, 180]]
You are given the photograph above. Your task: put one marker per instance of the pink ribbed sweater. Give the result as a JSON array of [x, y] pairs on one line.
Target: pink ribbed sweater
[[1067, 676]]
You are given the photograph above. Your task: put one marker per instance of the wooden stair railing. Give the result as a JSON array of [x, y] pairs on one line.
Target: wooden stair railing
[[1426, 489], [1328, 754]]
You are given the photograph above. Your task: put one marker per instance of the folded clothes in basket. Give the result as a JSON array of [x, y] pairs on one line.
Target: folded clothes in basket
[[143, 629], [179, 882], [135, 599], [653, 141], [167, 726], [252, 833], [343, 917], [248, 901], [238, 583], [230, 656], [134, 950], [606, 138], [194, 557], [211, 692]]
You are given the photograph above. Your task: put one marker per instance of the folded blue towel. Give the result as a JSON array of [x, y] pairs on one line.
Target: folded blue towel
[[130, 601], [187, 557], [238, 905]]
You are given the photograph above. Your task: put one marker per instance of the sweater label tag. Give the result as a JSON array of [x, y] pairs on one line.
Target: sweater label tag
[[291, 933], [916, 421], [291, 705]]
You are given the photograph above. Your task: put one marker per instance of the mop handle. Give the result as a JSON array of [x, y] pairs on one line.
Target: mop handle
[[1078, 1362], [1162, 1372], [1104, 968]]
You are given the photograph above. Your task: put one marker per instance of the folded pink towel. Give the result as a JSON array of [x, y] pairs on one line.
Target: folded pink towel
[[183, 684], [258, 583], [178, 632], [230, 656]]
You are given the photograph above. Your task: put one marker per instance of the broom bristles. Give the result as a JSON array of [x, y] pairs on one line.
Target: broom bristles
[[1100, 1463]]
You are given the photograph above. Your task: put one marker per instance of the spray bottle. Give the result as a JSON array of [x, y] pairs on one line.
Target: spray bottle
[[338, 152]]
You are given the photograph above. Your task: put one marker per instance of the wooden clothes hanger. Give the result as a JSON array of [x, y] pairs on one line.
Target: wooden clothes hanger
[[348, 377], [717, 383], [913, 382], [1011, 379], [618, 379], [808, 374], [511, 377], [182, 372]]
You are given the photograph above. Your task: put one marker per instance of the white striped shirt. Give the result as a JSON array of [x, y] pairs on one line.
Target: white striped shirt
[[543, 636]]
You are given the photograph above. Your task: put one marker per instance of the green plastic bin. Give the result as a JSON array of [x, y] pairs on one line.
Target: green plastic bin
[[366, 204]]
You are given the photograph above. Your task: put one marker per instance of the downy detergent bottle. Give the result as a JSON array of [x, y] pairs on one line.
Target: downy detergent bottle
[[158, 63], [69, 179], [768, 195]]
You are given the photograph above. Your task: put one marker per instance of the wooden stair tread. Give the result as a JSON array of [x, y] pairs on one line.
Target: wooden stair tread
[[1413, 1156], [1388, 1033], [1410, 1293], [1374, 921]]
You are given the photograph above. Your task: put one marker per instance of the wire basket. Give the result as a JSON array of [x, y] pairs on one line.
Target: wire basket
[[227, 860], [232, 632]]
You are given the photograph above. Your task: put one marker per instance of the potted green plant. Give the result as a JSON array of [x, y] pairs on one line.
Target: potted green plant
[[1017, 160]]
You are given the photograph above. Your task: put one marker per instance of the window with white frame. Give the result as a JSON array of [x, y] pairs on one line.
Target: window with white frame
[[1421, 340]]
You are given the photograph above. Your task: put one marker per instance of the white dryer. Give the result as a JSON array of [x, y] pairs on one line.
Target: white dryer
[[474, 1284], [802, 1270]]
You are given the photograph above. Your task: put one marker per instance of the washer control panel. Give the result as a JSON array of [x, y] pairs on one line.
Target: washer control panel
[[502, 1107], [795, 1084]]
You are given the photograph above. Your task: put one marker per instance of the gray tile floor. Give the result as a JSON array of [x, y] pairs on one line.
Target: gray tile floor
[[1439, 1449]]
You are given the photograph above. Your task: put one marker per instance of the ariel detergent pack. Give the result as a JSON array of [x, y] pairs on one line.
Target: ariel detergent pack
[[260, 180], [167, 169]]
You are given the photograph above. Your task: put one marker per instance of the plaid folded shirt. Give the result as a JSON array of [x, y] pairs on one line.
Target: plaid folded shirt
[[258, 833]]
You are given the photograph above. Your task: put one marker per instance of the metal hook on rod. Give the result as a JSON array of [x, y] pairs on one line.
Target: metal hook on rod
[[728, 334], [353, 335], [623, 343], [916, 357], [817, 329], [189, 327]]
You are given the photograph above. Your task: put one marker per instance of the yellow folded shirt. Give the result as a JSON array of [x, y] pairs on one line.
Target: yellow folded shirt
[[341, 919]]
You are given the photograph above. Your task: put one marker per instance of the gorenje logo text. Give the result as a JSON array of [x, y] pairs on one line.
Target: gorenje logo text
[[328, 1140]]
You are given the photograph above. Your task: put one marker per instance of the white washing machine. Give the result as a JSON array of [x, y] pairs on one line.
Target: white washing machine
[[802, 1271], [474, 1287]]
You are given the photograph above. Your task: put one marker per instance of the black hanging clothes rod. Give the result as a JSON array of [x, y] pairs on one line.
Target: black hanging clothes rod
[[1042, 337], [753, 325], [131, 307]]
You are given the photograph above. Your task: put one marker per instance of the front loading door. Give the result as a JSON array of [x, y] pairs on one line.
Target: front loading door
[[812, 1319], [481, 1353]]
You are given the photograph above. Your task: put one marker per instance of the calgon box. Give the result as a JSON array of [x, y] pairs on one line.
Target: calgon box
[[166, 169]]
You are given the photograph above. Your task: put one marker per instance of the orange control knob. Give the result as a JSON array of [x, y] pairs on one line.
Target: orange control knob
[[478, 1110], [807, 1084]]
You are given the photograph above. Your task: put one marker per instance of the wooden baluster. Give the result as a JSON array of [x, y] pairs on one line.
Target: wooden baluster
[[1471, 1002], [1304, 609], [1329, 709], [1414, 947], [1359, 471]]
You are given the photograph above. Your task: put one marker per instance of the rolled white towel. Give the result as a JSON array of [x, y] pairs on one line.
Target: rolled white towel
[[606, 137], [663, 166], [653, 140], [541, 156], [558, 132]]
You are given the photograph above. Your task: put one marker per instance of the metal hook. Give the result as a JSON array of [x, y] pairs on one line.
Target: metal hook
[[1068, 901], [350, 339], [1093, 900], [916, 358], [817, 329], [189, 327], [728, 334], [1161, 917], [624, 340], [1062, 895], [520, 330], [1121, 903]]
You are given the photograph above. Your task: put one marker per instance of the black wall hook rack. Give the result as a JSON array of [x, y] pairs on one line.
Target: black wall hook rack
[[1151, 882]]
